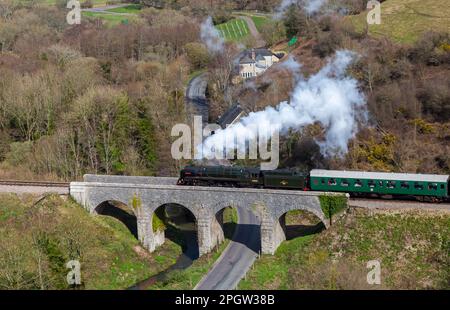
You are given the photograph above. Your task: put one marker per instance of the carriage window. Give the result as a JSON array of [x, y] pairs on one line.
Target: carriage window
[[316, 182], [380, 183], [432, 186], [323, 181], [332, 182], [358, 183], [344, 183], [442, 186], [418, 186], [371, 183], [404, 185], [391, 184]]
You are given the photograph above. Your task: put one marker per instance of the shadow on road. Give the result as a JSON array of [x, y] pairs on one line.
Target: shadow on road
[[248, 235]]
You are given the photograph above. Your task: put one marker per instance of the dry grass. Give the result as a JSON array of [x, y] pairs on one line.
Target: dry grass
[[405, 20], [39, 240], [414, 251]]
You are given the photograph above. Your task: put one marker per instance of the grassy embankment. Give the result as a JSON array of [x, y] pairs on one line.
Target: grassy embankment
[[405, 21], [259, 21], [413, 249], [37, 241], [129, 9]]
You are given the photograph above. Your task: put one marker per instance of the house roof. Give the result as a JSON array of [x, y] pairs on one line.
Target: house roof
[[230, 116], [260, 53], [259, 57], [246, 60], [364, 175]]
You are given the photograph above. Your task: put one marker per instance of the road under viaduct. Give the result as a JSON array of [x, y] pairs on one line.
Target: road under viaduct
[[146, 194]]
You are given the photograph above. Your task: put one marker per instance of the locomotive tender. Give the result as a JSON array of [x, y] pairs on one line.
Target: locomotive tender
[[426, 187]]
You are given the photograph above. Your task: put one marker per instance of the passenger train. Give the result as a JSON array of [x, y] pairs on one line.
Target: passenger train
[[423, 187]]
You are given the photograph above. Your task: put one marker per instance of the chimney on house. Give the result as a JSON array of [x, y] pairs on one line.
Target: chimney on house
[[253, 54]]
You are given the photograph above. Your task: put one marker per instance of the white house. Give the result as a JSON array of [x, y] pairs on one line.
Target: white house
[[254, 62]]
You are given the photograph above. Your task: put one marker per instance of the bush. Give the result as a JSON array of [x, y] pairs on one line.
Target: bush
[[327, 43], [435, 98], [18, 153], [273, 32], [87, 4], [331, 204], [197, 54], [429, 49], [157, 223], [221, 17]]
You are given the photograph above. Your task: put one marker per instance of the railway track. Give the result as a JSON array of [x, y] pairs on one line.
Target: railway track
[[34, 183]]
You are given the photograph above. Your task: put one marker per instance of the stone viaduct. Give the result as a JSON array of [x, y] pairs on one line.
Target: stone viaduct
[[146, 194]]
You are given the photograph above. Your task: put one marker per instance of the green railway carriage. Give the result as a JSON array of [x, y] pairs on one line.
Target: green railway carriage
[[380, 183]]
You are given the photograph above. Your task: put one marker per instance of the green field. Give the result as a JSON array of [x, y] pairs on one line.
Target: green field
[[95, 2], [234, 30], [110, 19], [259, 21], [129, 9], [405, 21]]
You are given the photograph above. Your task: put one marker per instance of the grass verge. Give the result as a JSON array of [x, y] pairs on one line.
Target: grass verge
[[413, 249], [129, 9], [37, 241]]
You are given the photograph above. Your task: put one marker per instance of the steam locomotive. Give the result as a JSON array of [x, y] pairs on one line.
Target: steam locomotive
[[424, 187]]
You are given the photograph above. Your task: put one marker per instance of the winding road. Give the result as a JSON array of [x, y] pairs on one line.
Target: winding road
[[237, 258], [242, 251], [196, 102], [104, 9]]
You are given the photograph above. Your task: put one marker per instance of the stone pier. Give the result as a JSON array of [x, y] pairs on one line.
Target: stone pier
[[145, 194]]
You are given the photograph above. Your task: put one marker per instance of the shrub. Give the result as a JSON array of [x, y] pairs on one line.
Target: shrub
[[18, 152], [157, 223], [327, 43], [197, 54], [435, 98], [429, 49], [87, 4], [332, 204], [221, 17], [273, 32]]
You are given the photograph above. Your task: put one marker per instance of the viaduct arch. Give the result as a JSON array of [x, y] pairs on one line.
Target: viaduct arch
[[146, 194]]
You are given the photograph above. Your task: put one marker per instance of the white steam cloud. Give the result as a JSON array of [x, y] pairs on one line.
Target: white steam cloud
[[292, 65], [310, 6], [211, 36], [329, 97]]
